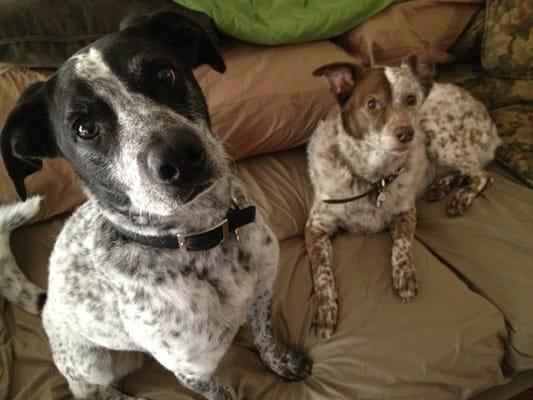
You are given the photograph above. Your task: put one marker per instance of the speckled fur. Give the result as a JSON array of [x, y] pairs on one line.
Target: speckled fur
[[351, 149], [184, 308], [461, 138], [110, 299]]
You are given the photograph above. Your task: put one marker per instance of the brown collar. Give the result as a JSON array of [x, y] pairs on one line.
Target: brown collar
[[375, 187]]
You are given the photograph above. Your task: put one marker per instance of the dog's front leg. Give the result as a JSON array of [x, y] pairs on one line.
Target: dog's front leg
[[320, 253], [281, 359], [404, 277]]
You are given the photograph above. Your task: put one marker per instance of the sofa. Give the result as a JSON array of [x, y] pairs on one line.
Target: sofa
[[468, 333]]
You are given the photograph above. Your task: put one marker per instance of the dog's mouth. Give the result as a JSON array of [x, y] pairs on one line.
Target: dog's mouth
[[399, 147]]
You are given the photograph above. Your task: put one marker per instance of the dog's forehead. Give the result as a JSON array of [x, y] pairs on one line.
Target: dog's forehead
[[91, 65], [402, 81], [375, 84], [117, 55]]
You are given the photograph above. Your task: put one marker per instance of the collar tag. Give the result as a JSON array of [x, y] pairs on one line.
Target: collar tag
[[381, 197], [376, 187]]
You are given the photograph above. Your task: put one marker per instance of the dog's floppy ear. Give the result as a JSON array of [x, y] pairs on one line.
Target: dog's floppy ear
[[27, 136], [192, 35], [341, 77], [423, 65]]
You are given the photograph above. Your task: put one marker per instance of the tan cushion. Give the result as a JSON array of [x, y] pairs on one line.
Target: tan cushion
[[447, 344], [407, 28], [266, 101], [491, 248]]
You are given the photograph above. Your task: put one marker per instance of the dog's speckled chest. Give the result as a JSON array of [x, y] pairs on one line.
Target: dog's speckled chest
[[333, 177], [132, 294]]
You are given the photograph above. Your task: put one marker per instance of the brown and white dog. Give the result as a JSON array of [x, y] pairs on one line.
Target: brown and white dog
[[393, 132]]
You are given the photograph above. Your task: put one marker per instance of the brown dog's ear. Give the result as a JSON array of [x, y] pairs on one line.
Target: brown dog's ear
[[341, 77], [189, 33], [27, 137], [423, 65]]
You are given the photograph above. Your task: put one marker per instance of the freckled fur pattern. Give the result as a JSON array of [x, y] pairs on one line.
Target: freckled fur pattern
[[461, 137]]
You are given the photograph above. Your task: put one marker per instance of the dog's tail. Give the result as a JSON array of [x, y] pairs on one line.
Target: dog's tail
[[14, 285]]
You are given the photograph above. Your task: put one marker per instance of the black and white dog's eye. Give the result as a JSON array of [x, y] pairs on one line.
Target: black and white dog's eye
[[166, 76], [87, 129], [411, 100]]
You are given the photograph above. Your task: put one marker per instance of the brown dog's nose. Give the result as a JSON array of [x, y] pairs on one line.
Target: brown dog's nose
[[404, 133]]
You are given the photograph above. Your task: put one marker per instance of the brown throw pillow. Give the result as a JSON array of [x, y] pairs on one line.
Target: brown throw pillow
[[266, 101], [408, 28]]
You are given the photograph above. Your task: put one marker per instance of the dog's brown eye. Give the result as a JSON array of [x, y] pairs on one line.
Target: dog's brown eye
[[166, 76], [411, 100], [87, 129], [372, 104]]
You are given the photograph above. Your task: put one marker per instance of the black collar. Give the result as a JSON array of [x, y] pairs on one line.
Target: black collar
[[197, 241], [377, 186]]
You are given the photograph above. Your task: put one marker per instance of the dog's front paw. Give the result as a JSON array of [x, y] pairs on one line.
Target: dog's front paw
[[405, 281], [290, 364], [326, 318]]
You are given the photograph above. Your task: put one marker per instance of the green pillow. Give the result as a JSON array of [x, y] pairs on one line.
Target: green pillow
[[43, 33], [275, 22]]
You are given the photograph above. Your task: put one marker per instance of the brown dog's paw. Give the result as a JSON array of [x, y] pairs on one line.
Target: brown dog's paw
[[326, 318], [405, 282], [460, 202], [464, 197], [441, 187]]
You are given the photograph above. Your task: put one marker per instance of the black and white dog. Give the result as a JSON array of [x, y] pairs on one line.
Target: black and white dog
[[165, 257]]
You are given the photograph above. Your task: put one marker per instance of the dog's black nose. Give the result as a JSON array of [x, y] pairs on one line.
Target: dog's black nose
[[178, 159], [404, 133]]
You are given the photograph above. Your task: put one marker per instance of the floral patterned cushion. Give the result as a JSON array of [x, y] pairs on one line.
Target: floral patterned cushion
[[510, 102], [507, 48]]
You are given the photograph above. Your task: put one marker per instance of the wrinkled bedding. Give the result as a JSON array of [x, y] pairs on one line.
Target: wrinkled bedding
[[448, 344]]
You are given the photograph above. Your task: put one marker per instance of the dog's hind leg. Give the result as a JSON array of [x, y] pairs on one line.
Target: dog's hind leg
[[477, 181], [320, 252], [90, 370], [404, 278], [442, 186], [283, 360]]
